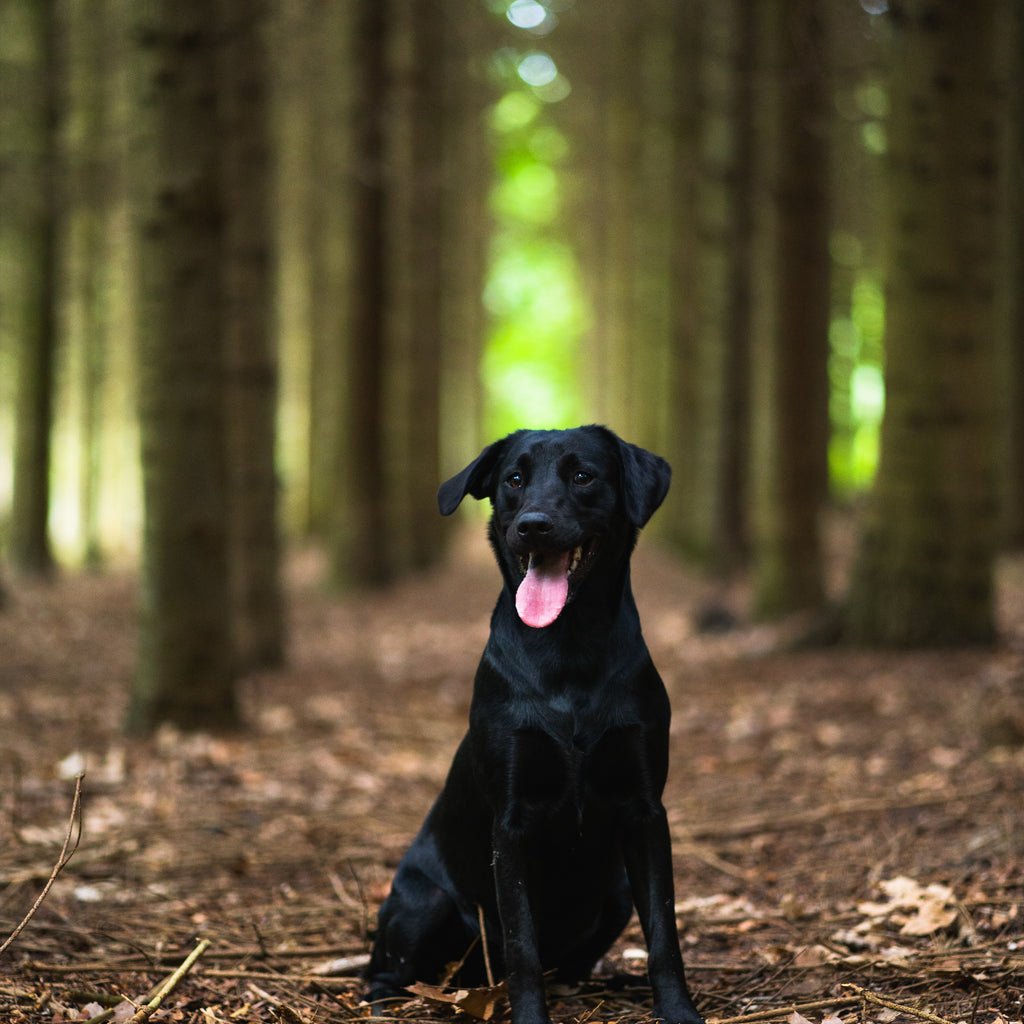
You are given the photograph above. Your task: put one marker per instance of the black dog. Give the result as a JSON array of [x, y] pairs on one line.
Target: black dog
[[550, 824]]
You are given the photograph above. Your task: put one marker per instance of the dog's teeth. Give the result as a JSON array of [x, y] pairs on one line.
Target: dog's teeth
[[577, 555]]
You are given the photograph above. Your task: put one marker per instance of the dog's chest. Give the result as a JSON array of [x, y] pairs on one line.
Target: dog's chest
[[573, 755]]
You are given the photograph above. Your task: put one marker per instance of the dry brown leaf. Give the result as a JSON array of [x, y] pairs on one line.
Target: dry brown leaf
[[481, 1003], [814, 956], [930, 916], [925, 909]]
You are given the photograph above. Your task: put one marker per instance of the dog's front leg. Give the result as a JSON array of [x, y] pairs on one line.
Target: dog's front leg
[[649, 865], [522, 957]]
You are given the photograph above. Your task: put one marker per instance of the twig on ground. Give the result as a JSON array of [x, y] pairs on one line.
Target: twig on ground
[[284, 1011], [483, 942], [890, 1004], [342, 965], [774, 822], [147, 1010], [66, 853], [703, 853], [337, 980], [784, 1011]]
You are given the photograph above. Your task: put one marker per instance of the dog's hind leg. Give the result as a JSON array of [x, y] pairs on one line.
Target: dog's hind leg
[[420, 931]]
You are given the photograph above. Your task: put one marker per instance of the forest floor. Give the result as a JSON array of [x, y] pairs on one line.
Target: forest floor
[[848, 824]]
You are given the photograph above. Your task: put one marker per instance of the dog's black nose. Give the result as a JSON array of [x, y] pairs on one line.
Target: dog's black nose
[[534, 525]]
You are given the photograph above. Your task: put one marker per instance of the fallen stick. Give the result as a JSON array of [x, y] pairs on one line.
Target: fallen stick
[[342, 965], [785, 1011], [703, 853], [890, 1004], [741, 827], [483, 942], [147, 1010], [62, 861], [324, 980]]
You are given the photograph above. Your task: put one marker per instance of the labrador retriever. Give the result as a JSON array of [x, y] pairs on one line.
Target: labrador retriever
[[550, 826]]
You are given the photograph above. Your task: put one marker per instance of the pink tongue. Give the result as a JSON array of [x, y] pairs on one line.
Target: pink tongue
[[541, 596]]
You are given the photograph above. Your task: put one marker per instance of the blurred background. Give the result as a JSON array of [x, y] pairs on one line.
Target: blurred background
[[270, 270]]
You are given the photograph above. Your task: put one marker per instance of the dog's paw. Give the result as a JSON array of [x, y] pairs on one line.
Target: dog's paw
[[683, 1013], [380, 993]]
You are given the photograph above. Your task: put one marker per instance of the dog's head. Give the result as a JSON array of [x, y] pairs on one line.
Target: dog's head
[[564, 501]]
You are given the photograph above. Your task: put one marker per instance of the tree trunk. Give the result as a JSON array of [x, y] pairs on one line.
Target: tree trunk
[[333, 85], [359, 552], [298, 66], [248, 325], [86, 263], [790, 339], [649, 340], [925, 565], [186, 667], [1010, 302], [615, 313], [715, 533], [468, 171], [676, 522], [415, 270], [28, 222]]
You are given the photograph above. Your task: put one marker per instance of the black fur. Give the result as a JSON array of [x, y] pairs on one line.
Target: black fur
[[551, 819]]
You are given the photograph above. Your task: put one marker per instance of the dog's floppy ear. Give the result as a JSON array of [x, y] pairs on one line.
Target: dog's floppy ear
[[645, 480], [477, 479]]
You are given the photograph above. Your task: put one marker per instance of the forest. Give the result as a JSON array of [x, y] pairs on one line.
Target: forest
[[271, 270]]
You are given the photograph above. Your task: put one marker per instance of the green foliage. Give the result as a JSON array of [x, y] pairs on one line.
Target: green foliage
[[530, 365], [857, 399], [527, 192], [533, 296]]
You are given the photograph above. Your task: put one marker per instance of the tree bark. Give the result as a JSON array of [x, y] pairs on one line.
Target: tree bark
[[299, 66], [416, 272], [468, 171], [791, 313], [186, 666], [679, 449], [358, 537], [1010, 302], [28, 212], [924, 571], [716, 528], [248, 318]]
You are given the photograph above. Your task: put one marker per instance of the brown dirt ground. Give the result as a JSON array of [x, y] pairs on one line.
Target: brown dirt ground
[[841, 818]]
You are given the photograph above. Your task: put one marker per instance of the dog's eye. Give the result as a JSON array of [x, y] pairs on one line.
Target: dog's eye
[[581, 478], [515, 480]]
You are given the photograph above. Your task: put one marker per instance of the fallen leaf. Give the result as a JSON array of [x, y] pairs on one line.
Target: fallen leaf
[[898, 955], [814, 956], [930, 916], [931, 908], [481, 1003]]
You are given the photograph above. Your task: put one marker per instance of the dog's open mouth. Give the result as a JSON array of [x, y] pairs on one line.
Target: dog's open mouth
[[548, 582]]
